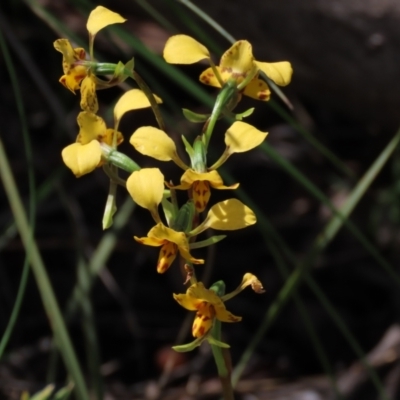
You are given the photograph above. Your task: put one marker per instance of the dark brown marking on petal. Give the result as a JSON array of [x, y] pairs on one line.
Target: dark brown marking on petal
[[262, 96], [202, 331]]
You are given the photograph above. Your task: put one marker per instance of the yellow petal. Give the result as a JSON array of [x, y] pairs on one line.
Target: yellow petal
[[248, 280], [208, 77], [238, 60], [88, 95], [279, 72], [257, 89], [155, 143], [108, 137], [149, 241], [224, 315], [198, 291], [241, 137], [133, 99], [188, 302], [91, 127], [146, 188], [201, 195], [70, 55], [229, 215], [82, 159], [183, 49], [101, 17]]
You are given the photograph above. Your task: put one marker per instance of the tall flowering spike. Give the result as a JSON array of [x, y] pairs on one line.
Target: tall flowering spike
[[183, 49], [133, 99], [101, 17], [146, 187], [241, 137], [208, 306], [155, 143], [227, 215], [171, 242]]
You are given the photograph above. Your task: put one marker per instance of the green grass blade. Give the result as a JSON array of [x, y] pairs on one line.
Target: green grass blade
[[46, 291]]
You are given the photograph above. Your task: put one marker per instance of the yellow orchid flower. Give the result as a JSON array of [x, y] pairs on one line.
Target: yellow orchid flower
[[171, 242], [75, 66], [153, 142], [209, 306], [237, 64], [85, 155], [146, 187]]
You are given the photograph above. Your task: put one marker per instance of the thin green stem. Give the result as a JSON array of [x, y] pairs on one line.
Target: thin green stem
[[222, 355]]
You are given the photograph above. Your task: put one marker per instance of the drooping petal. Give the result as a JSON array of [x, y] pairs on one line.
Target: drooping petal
[[133, 99], [89, 101], [224, 315], [146, 187], [155, 143], [257, 89], [166, 257], [91, 127], [208, 77], [238, 60], [183, 49], [248, 280], [280, 72], [241, 137], [82, 159], [101, 17], [227, 215]]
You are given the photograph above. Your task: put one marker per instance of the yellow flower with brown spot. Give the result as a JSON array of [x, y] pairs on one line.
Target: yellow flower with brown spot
[[237, 63], [153, 142], [77, 70], [209, 306], [171, 243], [147, 190], [85, 155]]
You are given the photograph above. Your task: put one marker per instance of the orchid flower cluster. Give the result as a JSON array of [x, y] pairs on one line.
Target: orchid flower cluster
[[176, 231]]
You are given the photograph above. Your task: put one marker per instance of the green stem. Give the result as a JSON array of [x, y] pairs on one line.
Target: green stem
[[118, 159], [221, 355], [149, 94], [226, 95]]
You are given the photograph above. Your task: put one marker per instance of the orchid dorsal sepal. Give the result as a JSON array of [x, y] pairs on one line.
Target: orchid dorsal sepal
[[133, 99], [199, 158], [194, 117], [184, 219], [118, 159], [98, 19], [111, 207], [239, 138], [244, 114], [146, 188], [227, 215], [154, 142], [207, 242]]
